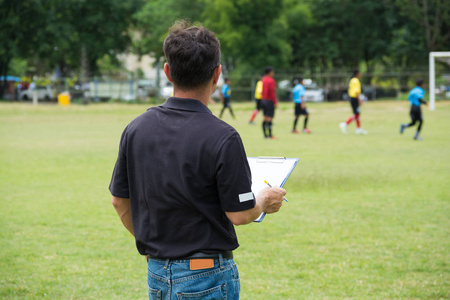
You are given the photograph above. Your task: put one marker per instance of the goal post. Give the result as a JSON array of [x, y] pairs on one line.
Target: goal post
[[432, 75]]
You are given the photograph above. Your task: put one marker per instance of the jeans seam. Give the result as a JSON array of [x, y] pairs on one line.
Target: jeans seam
[[200, 275]]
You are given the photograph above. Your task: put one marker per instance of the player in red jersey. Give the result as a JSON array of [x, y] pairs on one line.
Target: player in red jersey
[[269, 101]]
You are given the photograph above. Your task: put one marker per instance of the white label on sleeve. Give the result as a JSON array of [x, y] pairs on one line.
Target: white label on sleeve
[[245, 197]]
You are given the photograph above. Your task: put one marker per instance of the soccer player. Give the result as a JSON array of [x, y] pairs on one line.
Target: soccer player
[[226, 97], [258, 97], [269, 101], [300, 106], [354, 91], [415, 99]]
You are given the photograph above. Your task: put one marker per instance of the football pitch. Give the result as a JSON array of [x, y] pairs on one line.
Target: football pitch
[[367, 217]]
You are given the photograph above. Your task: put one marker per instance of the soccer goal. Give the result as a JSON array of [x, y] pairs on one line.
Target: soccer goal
[[445, 56]]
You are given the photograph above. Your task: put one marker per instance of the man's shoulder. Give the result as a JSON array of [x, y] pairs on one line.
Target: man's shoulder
[[217, 125], [139, 119], [205, 124], [416, 90], [267, 79]]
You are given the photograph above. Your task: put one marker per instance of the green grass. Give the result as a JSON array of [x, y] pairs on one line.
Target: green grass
[[367, 217]]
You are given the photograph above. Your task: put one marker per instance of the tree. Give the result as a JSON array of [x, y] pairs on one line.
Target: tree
[[434, 18], [154, 19], [81, 32], [61, 33], [252, 33], [342, 34], [153, 22], [18, 20], [300, 22]]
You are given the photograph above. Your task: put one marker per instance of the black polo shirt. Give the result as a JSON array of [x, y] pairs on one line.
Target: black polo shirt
[[182, 168]]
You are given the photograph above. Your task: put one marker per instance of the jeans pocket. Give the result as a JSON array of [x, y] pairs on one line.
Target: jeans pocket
[[216, 293], [154, 294]]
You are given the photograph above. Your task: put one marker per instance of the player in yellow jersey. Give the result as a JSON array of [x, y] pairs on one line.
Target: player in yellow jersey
[[354, 91], [258, 97]]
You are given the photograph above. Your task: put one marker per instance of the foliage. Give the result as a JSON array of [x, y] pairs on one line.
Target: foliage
[[100, 27], [252, 33], [108, 65], [433, 16], [54, 32], [154, 19], [18, 66], [304, 36], [18, 19], [341, 34]]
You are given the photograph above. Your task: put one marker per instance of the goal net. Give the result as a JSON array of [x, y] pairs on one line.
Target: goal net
[[441, 56]]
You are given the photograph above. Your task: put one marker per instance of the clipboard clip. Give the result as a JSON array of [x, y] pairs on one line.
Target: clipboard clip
[[271, 159]]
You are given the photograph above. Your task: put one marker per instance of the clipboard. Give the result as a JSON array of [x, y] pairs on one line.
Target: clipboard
[[275, 170]]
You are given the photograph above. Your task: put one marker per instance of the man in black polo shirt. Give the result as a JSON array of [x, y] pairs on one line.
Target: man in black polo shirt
[[182, 179]]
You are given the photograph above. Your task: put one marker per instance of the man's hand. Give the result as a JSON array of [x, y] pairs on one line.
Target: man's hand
[[269, 200], [272, 199], [302, 105]]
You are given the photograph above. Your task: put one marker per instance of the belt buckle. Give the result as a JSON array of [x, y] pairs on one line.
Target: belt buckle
[[201, 264]]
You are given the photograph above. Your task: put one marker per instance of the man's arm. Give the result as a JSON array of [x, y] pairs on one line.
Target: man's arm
[[123, 208], [274, 91], [269, 201], [303, 105], [358, 96]]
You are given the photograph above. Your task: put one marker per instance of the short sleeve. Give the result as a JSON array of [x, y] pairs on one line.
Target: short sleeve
[[259, 87], [421, 93], [233, 176], [119, 181]]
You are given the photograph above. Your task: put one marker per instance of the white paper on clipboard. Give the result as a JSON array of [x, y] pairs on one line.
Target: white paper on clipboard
[[275, 170]]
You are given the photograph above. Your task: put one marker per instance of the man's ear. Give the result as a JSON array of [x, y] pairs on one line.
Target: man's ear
[[167, 72], [216, 74]]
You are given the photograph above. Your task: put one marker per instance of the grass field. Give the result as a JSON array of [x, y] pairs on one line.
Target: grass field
[[367, 217]]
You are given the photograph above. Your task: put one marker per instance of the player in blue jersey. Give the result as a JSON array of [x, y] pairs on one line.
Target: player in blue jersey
[[300, 106], [415, 99], [225, 97]]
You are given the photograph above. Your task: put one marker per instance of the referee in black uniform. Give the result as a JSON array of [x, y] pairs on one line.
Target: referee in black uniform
[[182, 179]]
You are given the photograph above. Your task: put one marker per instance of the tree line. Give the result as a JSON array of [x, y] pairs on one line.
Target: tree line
[[315, 35]]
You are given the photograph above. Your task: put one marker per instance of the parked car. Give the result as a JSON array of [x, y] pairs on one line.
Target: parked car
[[312, 92], [43, 93], [146, 88], [314, 95], [167, 90]]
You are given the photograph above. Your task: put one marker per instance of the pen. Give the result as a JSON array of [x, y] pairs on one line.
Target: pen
[[265, 181]]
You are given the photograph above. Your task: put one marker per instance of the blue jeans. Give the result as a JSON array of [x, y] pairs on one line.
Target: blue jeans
[[173, 279]]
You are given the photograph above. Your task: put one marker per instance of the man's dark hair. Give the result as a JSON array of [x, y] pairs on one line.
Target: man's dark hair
[[193, 53], [355, 72], [226, 79], [300, 79], [419, 82], [267, 70]]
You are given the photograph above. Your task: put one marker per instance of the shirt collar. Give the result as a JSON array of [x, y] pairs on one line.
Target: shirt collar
[[186, 104]]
